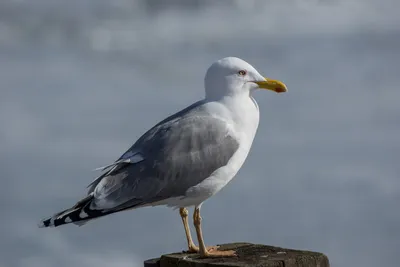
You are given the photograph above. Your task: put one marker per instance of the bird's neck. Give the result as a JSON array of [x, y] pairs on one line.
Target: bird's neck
[[240, 103], [244, 112]]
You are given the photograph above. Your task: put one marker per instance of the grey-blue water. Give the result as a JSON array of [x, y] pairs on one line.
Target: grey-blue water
[[80, 81]]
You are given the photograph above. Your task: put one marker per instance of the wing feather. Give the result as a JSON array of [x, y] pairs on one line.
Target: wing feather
[[176, 154]]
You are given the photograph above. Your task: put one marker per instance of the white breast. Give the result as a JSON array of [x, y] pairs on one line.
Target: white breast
[[243, 116]]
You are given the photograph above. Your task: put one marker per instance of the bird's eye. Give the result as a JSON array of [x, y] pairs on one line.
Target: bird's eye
[[242, 72]]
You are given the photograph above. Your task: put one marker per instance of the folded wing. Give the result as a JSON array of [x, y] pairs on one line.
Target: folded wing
[[175, 155]]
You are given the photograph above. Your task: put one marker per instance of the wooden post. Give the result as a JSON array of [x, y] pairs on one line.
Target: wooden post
[[248, 255]]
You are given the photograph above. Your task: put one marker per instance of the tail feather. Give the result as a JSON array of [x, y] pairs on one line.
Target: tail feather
[[79, 214], [82, 212]]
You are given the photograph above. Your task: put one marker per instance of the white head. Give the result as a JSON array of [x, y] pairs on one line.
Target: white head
[[232, 76]]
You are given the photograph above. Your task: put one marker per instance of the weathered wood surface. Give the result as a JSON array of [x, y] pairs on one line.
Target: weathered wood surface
[[248, 255]]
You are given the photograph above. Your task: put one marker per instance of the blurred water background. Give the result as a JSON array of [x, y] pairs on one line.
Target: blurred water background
[[81, 80]]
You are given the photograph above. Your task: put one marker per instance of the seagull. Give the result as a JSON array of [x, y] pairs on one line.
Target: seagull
[[184, 159]]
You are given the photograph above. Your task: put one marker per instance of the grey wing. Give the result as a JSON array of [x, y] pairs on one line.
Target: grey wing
[[173, 156]]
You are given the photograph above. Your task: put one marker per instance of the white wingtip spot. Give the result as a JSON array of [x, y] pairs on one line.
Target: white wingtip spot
[[68, 220], [83, 214]]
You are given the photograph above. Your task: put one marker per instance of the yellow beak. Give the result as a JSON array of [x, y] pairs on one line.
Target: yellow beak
[[273, 85]]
